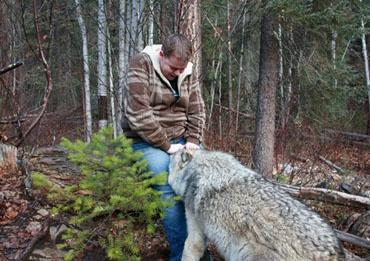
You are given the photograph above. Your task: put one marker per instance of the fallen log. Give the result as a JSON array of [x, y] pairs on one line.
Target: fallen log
[[327, 195], [332, 165], [353, 239], [351, 136], [328, 139]]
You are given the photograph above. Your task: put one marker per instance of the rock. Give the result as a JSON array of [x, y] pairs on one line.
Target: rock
[[34, 228], [43, 212], [37, 217], [56, 231], [47, 254]]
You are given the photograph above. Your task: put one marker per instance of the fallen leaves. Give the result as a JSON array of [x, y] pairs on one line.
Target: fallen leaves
[[11, 201]]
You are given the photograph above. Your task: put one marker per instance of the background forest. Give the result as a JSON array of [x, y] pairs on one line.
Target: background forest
[[321, 81], [284, 81]]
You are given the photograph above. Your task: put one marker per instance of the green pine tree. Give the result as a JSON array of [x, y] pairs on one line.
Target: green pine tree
[[113, 197]]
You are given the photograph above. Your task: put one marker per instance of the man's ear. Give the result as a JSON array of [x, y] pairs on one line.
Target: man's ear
[[161, 54]]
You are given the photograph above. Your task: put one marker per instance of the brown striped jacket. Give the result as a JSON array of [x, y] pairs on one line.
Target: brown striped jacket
[[152, 111]]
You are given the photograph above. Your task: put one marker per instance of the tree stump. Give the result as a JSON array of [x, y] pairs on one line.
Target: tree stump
[[8, 156]]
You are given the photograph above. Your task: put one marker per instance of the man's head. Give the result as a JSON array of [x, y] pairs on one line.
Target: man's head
[[174, 56]]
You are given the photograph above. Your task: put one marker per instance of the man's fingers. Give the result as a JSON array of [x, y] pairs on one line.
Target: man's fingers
[[192, 146], [175, 148]]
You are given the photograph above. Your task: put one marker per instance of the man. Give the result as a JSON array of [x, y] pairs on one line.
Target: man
[[164, 112]]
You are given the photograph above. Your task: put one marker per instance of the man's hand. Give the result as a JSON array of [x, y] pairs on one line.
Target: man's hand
[[175, 148], [191, 146]]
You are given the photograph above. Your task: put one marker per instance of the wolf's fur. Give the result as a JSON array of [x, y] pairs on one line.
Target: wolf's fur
[[244, 215]]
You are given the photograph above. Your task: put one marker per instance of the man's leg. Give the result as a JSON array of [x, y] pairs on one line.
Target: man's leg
[[174, 222]]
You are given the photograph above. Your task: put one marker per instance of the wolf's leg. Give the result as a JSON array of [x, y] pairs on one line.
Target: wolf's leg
[[195, 243]]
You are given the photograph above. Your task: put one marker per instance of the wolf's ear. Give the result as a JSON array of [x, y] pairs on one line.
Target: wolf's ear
[[186, 156]]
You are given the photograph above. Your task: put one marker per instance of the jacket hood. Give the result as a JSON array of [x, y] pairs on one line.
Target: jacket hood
[[153, 52]]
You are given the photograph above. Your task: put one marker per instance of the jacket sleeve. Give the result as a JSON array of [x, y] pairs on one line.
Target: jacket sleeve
[[195, 113], [138, 111]]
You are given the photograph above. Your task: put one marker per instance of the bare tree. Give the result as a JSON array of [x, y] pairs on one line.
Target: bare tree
[[263, 150], [367, 74], [102, 66], [49, 84], [86, 70], [241, 71], [229, 64], [111, 88]]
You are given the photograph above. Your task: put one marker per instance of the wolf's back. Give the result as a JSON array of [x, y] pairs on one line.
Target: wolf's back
[[239, 207]]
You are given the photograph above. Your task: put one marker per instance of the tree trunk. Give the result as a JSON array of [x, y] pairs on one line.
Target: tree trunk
[[239, 79], [129, 43], [263, 150], [111, 88], [121, 62], [220, 102], [190, 27], [280, 78], [86, 70], [102, 66], [151, 23], [136, 32], [367, 74], [213, 87], [229, 65], [334, 54]]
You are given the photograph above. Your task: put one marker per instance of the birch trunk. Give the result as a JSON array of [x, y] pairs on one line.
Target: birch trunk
[[280, 79], [239, 79], [111, 88], [229, 77], [86, 70], [121, 63], [129, 35], [220, 103], [151, 23], [213, 87], [134, 26], [102, 66], [367, 75], [334, 54], [140, 40]]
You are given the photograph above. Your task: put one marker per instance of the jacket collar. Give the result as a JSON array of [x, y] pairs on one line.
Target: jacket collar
[[153, 52]]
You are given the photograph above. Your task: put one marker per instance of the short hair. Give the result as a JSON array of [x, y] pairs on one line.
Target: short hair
[[179, 45]]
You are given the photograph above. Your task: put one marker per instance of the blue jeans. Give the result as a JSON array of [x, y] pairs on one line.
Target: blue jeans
[[174, 221]]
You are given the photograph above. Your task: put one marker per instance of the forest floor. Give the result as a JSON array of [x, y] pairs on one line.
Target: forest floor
[[28, 232]]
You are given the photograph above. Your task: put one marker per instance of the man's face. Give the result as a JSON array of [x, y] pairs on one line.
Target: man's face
[[171, 66]]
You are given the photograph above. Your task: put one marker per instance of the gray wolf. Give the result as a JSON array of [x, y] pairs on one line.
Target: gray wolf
[[244, 215]]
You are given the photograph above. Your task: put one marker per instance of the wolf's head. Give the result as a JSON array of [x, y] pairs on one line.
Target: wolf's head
[[178, 162]]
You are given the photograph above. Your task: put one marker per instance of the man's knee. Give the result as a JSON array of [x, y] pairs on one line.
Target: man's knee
[[158, 161]]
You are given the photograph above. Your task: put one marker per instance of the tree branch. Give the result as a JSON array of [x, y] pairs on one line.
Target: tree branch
[[47, 71]]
